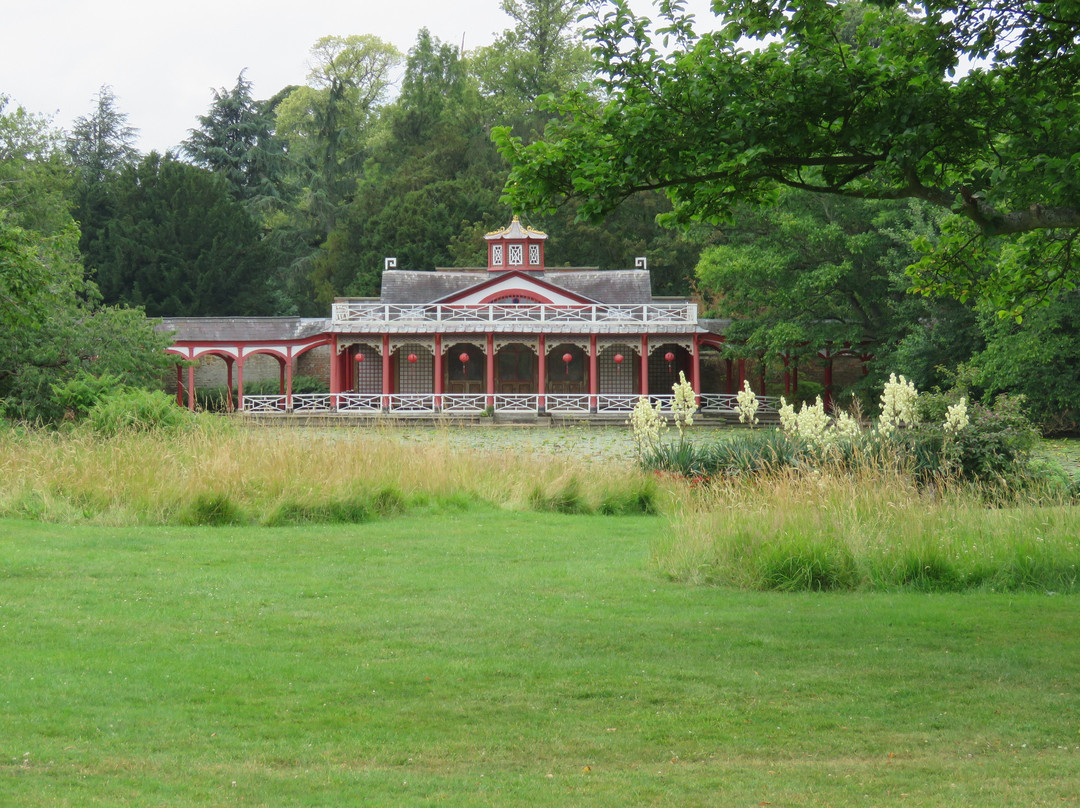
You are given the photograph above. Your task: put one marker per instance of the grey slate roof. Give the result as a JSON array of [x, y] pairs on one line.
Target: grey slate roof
[[619, 286], [247, 329], [414, 286]]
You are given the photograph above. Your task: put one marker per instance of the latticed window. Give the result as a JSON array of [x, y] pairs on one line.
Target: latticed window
[[496, 255], [368, 370], [516, 255], [662, 373], [418, 376], [616, 378], [534, 255]]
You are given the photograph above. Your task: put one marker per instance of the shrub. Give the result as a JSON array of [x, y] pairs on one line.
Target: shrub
[[78, 395], [136, 411]]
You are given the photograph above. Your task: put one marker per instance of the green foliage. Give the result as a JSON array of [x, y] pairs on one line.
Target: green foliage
[[173, 239], [855, 100], [80, 393], [52, 328], [129, 410], [235, 139], [100, 144]]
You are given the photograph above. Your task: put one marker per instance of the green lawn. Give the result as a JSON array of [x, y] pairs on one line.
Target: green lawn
[[505, 659]]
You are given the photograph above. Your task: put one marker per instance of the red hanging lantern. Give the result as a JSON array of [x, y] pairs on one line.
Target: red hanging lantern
[[359, 357], [670, 357], [412, 358], [567, 358], [618, 361], [463, 358]]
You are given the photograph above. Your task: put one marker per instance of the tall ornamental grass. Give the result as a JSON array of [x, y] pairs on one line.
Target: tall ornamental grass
[[789, 529], [214, 472]]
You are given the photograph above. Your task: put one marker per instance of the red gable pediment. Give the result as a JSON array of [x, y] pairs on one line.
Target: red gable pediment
[[528, 288]]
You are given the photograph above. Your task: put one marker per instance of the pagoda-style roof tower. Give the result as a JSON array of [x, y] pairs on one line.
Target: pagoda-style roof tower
[[516, 247]]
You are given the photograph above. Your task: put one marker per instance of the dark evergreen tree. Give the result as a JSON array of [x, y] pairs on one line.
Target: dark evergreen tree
[[179, 243], [102, 143], [236, 139]]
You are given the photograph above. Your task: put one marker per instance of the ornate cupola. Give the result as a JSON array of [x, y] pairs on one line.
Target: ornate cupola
[[516, 247]]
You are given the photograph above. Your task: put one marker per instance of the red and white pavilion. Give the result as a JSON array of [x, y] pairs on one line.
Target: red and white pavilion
[[514, 337]]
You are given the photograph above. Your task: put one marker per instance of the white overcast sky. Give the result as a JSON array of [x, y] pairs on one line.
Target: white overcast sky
[[164, 59]]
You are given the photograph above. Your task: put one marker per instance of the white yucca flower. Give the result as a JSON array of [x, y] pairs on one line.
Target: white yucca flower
[[814, 424], [897, 404], [747, 405], [648, 424], [683, 404], [956, 418], [846, 426], [789, 421]]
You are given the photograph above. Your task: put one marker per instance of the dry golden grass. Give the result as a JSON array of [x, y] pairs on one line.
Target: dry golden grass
[[873, 528], [150, 478]]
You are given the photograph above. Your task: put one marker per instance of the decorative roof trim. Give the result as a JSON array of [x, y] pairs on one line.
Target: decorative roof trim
[[516, 230]]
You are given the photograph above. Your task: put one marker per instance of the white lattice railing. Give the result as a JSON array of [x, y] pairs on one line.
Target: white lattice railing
[[359, 402], [312, 402], [725, 402], [711, 403], [567, 402], [516, 402], [512, 314], [464, 402], [412, 402], [263, 404], [620, 402]]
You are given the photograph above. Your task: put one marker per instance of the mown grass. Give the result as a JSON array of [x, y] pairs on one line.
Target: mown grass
[[494, 658]]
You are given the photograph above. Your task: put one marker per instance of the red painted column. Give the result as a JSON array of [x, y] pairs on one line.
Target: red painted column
[[240, 380], [335, 372], [695, 371], [191, 387], [490, 364], [762, 360], [288, 382], [644, 364], [730, 377], [795, 381], [179, 385], [594, 376], [438, 372], [787, 376], [228, 384], [742, 373], [386, 372], [541, 372]]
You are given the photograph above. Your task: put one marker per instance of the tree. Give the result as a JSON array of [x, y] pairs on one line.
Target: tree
[[542, 54], [101, 143], [868, 102], [177, 242], [52, 326], [236, 139], [326, 123]]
